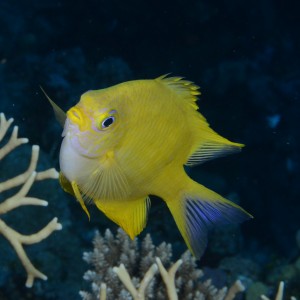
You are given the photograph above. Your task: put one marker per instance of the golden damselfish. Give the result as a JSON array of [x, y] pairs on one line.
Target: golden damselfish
[[126, 142]]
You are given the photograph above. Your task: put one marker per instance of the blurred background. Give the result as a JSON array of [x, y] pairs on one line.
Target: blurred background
[[243, 55]]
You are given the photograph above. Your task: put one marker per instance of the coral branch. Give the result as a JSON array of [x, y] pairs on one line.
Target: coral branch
[[169, 277], [126, 280], [19, 199], [26, 179], [102, 291], [279, 295], [17, 240], [20, 179], [236, 288], [144, 261], [14, 141], [147, 278]]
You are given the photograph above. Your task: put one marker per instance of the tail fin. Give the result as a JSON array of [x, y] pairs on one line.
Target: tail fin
[[198, 209]]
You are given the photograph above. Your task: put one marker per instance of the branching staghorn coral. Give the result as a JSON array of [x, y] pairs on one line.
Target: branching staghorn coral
[[136, 277], [279, 295], [25, 180]]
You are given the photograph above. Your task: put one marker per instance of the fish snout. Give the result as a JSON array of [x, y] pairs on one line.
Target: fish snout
[[76, 117]]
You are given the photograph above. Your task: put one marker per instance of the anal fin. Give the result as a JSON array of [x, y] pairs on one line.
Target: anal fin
[[131, 214]]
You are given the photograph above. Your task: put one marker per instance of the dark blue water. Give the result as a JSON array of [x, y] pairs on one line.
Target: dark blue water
[[243, 55]]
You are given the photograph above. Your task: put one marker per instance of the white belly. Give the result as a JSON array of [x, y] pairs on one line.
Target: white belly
[[73, 165]]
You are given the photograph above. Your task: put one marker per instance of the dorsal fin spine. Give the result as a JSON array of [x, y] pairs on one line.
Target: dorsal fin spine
[[186, 89]]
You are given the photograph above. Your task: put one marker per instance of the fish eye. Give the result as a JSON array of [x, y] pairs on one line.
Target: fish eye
[[107, 122]]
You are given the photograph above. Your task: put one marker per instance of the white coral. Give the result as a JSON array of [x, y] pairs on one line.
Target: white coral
[[25, 179], [138, 278], [279, 295]]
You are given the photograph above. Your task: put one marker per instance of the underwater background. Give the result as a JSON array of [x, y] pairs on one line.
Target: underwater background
[[245, 58]]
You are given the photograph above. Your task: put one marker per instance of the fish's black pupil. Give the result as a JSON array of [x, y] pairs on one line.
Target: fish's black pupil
[[107, 122]]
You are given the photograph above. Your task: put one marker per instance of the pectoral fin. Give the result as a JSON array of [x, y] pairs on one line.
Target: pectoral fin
[[131, 215]]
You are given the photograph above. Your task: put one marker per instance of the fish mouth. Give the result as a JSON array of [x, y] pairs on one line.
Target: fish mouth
[[77, 117], [79, 140]]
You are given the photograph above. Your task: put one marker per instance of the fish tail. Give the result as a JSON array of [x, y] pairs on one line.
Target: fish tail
[[197, 209]]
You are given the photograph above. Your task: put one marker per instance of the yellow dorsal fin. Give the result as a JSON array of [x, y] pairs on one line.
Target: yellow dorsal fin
[[211, 149], [184, 88], [209, 144], [131, 215], [60, 115]]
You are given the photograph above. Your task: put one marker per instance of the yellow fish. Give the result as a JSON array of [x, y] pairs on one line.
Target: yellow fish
[[126, 142]]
